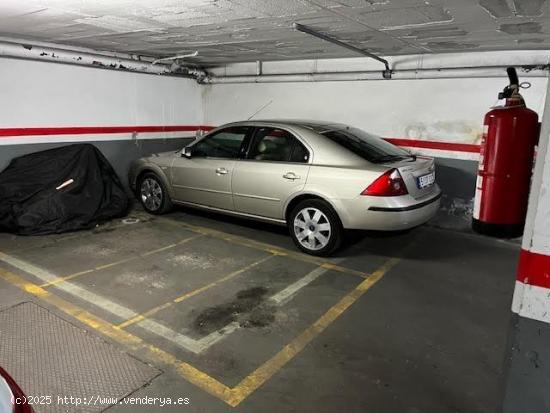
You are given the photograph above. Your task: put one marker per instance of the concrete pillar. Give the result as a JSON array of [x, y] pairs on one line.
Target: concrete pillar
[[528, 370]]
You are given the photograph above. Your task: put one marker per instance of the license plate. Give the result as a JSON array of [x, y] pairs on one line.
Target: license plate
[[425, 181]]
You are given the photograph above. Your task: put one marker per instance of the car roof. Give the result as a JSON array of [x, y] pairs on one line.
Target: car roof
[[306, 123], [326, 151]]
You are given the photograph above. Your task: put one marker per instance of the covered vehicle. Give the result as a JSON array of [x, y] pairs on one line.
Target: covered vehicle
[[59, 190]]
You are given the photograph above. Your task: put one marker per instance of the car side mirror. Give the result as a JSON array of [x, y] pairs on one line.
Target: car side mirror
[[187, 152]]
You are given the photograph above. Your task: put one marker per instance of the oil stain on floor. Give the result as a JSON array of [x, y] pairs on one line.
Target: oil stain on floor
[[249, 308]]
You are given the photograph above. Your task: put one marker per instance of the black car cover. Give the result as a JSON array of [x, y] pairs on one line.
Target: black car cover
[[59, 190]]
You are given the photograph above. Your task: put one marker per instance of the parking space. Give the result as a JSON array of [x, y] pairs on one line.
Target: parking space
[[189, 288], [230, 309], [281, 206]]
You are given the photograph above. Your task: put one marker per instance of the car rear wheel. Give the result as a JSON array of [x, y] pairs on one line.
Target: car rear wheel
[[153, 194], [315, 227]]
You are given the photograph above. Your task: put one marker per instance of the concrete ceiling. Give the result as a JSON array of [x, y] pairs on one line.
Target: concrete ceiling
[[225, 31]]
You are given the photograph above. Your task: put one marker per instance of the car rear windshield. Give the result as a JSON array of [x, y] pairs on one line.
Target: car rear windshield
[[370, 147]]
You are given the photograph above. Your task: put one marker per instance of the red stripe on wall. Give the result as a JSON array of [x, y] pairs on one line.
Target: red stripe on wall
[[445, 146], [97, 130], [534, 269]]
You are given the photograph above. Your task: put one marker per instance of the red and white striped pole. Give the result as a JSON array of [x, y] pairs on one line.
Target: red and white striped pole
[[528, 374]]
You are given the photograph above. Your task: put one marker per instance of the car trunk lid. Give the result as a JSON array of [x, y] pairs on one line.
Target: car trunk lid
[[418, 173]]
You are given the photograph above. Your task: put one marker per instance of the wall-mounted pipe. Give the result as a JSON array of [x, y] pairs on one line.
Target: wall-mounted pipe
[[59, 55], [386, 74], [447, 73], [78, 49], [171, 58]]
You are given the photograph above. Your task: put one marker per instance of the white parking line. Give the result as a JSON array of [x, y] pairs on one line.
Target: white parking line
[[68, 287], [278, 299], [191, 344], [152, 326], [285, 295]]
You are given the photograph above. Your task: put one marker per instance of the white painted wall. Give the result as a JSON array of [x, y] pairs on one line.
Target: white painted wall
[[537, 230], [448, 110], [39, 94], [532, 293], [443, 110]]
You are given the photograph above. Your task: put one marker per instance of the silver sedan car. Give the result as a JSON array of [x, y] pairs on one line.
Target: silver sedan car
[[318, 178]]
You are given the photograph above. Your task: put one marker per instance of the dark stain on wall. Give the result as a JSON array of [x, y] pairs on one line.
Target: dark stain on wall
[[533, 40], [500, 8], [435, 32], [496, 8], [521, 28], [451, 45], [457, 179], [529, 7]]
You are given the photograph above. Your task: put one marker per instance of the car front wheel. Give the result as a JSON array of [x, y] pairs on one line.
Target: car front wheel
[[153, 194], [315, 227]]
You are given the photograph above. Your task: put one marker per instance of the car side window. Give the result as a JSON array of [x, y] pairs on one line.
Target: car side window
[[223, 144], [299, 153], [277, 145]]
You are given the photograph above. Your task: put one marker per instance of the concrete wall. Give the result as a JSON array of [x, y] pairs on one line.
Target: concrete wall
[[444, 111], [529, 347], [52, 97], [120, 152], [447, 110]]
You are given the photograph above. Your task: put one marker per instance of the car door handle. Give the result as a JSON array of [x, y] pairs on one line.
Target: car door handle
[[221, 171], [291, 175]]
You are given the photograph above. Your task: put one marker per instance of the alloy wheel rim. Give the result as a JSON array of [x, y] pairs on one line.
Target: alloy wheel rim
[[151, 194], [312, 229]]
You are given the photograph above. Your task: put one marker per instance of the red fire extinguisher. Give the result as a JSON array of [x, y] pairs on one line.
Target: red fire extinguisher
[[510, 134]]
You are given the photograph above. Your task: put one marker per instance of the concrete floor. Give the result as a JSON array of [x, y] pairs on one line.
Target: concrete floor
[[228, 314]]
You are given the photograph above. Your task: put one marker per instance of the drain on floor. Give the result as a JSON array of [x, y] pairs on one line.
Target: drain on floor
[[130, 221]]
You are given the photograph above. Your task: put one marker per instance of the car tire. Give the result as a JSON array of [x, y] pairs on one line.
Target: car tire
[[153, 195], [315, 227]]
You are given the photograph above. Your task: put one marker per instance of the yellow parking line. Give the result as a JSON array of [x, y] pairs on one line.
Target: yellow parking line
[[262, 246], [123, 261], [263, 373], [190, 294], [231, 396], [135, 343]]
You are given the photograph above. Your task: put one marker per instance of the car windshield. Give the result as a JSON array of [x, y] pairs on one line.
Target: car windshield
[[370, 147]]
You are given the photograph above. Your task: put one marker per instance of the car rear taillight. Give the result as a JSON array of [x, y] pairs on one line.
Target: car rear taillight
[[12, 398], [390, 183]]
